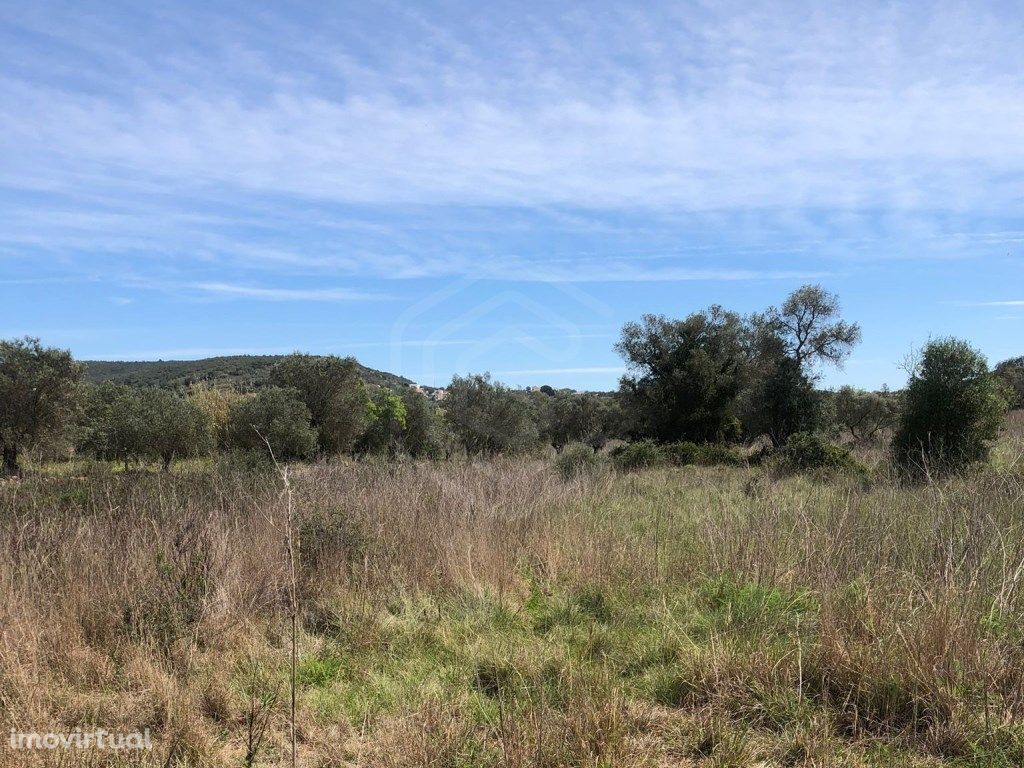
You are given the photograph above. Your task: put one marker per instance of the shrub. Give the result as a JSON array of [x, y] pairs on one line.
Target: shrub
[[125, 424], [865, 415], [426, 431], [639, 455], [278, 416], [953, 408], [805, 450], [702, 454], [575, 460], [488, 418], [333, 391]]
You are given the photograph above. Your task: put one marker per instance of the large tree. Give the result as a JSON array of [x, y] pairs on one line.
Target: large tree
[[789, 344], [39, 389], [809, 328], [685, 375], [333, 391]]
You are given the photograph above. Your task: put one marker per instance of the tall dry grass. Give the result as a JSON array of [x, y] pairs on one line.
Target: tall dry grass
[[690, 616]]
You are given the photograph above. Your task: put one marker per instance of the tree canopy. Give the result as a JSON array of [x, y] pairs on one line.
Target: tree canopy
[[489, 418], [39, 389], [333, 391], [685, 375]]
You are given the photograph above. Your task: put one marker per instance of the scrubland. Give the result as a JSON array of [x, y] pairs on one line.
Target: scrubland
[[491, 613]]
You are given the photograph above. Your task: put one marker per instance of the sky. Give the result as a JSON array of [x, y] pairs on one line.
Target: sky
[[445, 188]]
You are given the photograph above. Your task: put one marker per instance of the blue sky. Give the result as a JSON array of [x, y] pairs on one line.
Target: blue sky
[[455, 187]]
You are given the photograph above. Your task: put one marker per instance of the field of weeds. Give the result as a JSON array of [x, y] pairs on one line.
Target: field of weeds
[[495, 614]]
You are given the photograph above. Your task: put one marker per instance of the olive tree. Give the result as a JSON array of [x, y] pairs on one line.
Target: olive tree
[[427, 432], [566, 416], [173, 427], [39, 389], [953, 408], [489, 418], [865, 415], [789, 344], [333, 391], [809, 329], [112, 427], [276, 416], [685, 375], [1011, 372]]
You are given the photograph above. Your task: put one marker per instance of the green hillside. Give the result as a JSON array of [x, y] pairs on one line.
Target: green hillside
[[244, 372]]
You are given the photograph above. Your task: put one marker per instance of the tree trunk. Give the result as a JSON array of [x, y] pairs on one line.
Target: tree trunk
[[10, 453]]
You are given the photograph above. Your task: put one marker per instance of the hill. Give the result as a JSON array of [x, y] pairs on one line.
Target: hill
[[244, 372]]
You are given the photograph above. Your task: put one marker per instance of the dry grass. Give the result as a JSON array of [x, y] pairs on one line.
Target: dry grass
[[494, 614]]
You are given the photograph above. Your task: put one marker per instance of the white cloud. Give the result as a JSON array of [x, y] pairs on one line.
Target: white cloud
[[284, 294], [789, 111]]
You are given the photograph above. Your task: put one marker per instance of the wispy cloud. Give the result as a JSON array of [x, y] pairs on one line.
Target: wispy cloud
[[284, 294], [707, 116]]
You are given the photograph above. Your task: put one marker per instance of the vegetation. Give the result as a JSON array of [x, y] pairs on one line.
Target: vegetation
[[790, 344], [1011, 373], [38, 389], [491, 614], [576, 460], [274, 420], [244, 373], [333, 392], [489, 418], [565, 416], [427, 433], [865, 415], [954, 408], [740, 590], [804, 451], [688, 375]]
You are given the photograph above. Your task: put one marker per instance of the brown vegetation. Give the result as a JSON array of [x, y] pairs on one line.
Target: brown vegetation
[[495, 614]]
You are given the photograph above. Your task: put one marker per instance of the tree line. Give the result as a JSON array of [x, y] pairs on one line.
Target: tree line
[[712, 378]]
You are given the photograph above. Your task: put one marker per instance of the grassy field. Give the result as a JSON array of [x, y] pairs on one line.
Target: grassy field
[[493, 614]]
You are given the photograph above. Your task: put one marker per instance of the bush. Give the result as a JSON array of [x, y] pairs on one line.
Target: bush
[[640, 455], [805, 450], [122, 423], [953, 408], [333, 391], [575, 460], [702, 454], [278, 416], [488, 418]]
